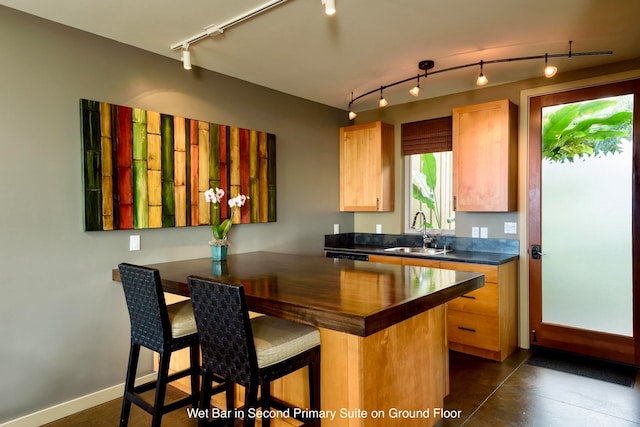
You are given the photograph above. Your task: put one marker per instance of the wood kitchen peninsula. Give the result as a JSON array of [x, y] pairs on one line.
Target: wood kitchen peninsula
[[383, 328]]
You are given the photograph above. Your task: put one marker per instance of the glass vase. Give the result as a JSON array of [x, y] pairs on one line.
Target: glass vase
[[219, 249]]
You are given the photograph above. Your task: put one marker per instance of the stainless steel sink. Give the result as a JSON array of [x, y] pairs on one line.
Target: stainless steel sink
[[419, 250]]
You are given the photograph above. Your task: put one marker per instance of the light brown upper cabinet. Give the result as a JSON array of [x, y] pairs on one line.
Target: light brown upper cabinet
[[366, 167], [485, 157]]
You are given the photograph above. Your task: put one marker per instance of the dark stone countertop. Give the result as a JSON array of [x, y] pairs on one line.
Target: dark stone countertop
[[490, 258], [475, 251]]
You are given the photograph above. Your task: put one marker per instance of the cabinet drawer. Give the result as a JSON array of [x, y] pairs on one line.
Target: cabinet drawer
[[473, 329], [481, 301], [421, 262], [385, 259], [490, 271]]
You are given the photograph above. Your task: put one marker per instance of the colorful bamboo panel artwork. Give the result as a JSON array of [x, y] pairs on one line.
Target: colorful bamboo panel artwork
[[144, 169]]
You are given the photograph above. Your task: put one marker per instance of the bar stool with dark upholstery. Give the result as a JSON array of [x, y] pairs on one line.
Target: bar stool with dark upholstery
[[251, 352], [163, 329]]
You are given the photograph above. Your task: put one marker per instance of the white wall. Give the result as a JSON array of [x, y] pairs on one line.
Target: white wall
[[64, 328]]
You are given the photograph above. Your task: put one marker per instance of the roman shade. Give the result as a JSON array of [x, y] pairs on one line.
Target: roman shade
[[426, 136]]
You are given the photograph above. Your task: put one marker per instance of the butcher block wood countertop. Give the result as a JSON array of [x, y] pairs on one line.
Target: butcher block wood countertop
[[355, 297]]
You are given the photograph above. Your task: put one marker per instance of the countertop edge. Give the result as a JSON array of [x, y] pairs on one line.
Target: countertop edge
[[400, 313], [361, 325], [487, 258]]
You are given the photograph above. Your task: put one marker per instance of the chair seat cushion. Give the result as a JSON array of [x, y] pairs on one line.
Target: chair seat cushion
[[182, 320], [277, 339]]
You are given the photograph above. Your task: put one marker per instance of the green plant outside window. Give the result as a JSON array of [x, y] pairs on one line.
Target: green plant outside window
[[431, 189]]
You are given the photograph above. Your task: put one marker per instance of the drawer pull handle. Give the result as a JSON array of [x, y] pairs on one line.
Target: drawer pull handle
[[467, 296], [462, 328]]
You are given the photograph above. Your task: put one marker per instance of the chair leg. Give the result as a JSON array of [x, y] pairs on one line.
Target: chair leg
[[265, 396], [134, 355], [195, 373], [229, 391], [314, 386], [250, 402], [205, 396], [161, 388]]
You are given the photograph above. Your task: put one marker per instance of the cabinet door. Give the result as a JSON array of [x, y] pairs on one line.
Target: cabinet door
[[485, 157], [366, 167]]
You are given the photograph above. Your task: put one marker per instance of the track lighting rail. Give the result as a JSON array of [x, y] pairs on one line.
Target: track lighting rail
[[218, 29], [428, 64]]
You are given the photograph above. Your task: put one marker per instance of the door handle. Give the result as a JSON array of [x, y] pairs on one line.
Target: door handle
[[536, 252]]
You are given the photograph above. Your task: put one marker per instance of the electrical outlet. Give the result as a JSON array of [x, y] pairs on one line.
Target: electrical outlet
[[475, 232], [134, 243], [379, 228], [336, 228], [510, 228], [484, 232]]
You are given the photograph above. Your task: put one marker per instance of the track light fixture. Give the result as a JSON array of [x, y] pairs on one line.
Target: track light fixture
[[482, 80], [186, 57], [415, 91], [329, 7], [352, 115], [383, 102], [549, 70], [213, 30]]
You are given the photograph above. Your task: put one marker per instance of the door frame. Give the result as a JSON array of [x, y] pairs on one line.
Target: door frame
[[624, 349]]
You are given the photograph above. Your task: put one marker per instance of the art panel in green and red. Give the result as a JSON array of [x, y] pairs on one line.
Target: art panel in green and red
[[143, 169]]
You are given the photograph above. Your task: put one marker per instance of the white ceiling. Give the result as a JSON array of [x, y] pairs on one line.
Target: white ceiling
[[297, 49]]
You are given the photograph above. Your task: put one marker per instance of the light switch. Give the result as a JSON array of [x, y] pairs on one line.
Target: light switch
[[484, 232], [336, 228], [475, 232]]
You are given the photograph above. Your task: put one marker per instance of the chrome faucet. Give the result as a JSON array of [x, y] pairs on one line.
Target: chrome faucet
[[426, 237]]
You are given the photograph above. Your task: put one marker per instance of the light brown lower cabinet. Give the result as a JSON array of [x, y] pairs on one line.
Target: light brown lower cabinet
[[484, 322]]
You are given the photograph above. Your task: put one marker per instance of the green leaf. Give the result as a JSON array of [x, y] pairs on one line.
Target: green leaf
[[221, 230], [429, 169], [573, 131], [417, 194]]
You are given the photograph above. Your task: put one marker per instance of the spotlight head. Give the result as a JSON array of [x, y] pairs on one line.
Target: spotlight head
[[352, 115], [482, 80], [549, 70], [329, 7], [186, 59]]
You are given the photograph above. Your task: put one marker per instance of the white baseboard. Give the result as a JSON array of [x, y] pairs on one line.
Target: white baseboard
[[65, 409]]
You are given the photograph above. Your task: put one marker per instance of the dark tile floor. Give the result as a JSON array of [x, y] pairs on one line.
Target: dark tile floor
[[514, 393], [487, 393]]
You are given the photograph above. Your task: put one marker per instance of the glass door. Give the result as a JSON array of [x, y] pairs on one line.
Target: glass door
[[586, 215], [581, 221]]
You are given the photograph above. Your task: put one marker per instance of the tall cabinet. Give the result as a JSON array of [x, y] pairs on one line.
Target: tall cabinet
[[485, 157], [366, 167]]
